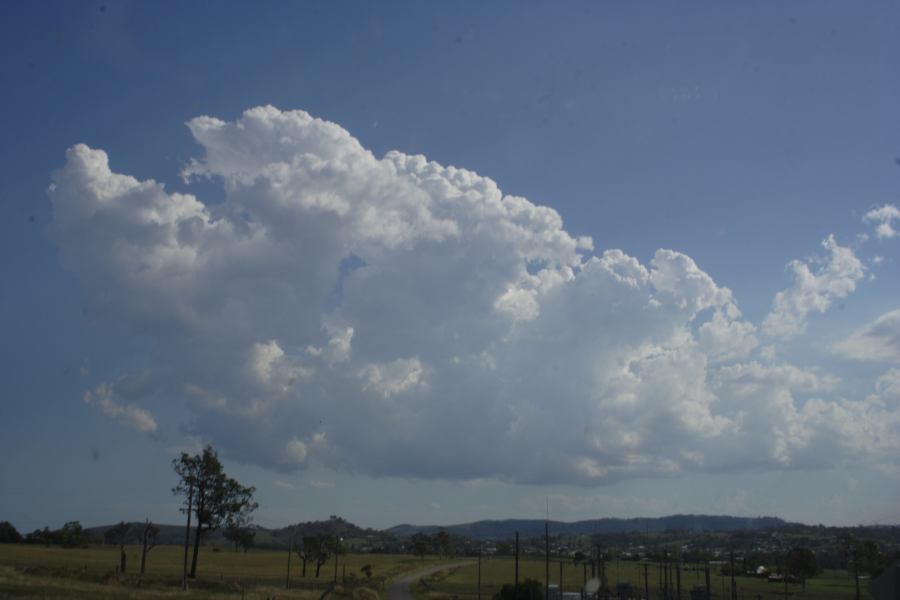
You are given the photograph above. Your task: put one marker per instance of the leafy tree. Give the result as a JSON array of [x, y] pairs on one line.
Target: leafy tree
[[326, 546], [323, 553], [40, 536], [308, 550], [214, 498], [442, 541], [318, 549], [118, 535], [72, 535], [148, 542], [420, 542], [801, 563], [8, 533], [367, 570], [237, 526], [240, 537], [530, 589], [871, 559]]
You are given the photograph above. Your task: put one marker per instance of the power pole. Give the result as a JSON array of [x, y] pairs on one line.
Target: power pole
[[560, 579], [665, 567], [708, 590], [479, 573], [646, 581], [187, 534], [516, 587], [547, 559], [733, 585], [287, 580], [678, 581], [336, 548]]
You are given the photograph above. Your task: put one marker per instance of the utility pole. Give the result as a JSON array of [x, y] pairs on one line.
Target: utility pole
[[665, 567], [560, 579], [646, 581], [337, 547], [733, 585], [287, 579], [678, 581], [603, 582], [659, 580], [479, 573], [708, 590], [547, 558], [516, 587], [187, 534]]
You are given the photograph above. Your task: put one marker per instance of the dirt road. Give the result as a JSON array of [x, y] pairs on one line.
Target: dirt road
[[401, 589]]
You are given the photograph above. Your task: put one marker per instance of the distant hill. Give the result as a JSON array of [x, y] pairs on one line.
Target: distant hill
[[335, 526], [265, 538], [505, 529], [483, 530]]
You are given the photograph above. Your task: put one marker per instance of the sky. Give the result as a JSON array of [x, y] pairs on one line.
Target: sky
[[433, 263]]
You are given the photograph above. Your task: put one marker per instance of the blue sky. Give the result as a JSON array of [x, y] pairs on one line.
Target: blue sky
[[740, 138]]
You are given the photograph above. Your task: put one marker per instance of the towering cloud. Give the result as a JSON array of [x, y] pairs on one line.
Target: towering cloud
[[397, 317]]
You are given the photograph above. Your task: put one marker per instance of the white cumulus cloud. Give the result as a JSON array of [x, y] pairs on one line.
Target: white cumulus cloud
[[128, 414], [883, 217], [397, 317], [813, 290]]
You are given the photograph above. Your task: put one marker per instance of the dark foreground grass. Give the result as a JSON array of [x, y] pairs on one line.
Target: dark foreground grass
[[461, 583], [41, 572]]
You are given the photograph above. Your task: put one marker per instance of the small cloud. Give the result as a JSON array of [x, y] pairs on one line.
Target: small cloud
[[127, 414], [321, 485], [877, 341], [284, 484], [883, 218], [813, 291], [294, 453]]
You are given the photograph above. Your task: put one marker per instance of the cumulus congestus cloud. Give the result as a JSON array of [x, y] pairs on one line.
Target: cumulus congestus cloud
[[393, 316]]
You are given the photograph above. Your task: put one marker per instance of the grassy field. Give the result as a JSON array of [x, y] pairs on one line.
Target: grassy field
[[40, 572], [50, 573], [461, 583]]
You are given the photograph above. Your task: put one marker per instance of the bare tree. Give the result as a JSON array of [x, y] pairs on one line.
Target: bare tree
[[148, 542]]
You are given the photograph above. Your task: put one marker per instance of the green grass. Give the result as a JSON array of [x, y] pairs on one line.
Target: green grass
[[461, 583], [41, 572], [49, 573]]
